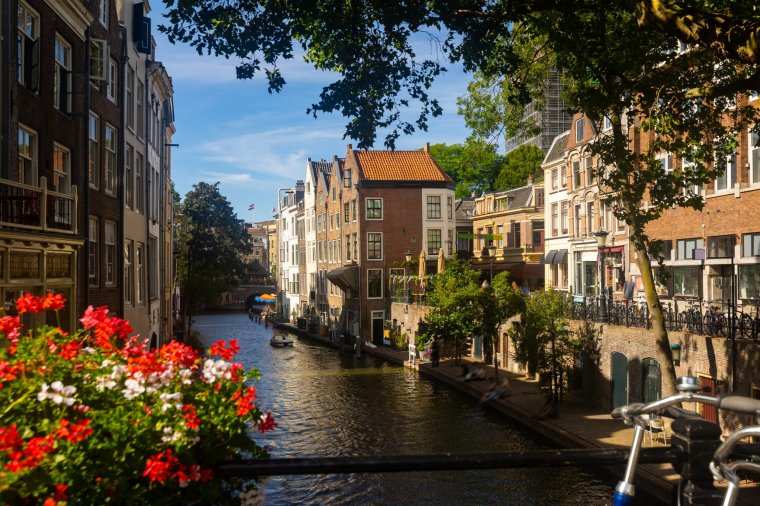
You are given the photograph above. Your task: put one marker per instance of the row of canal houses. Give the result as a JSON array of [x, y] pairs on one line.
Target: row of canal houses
[[346, 230], [87, 122]]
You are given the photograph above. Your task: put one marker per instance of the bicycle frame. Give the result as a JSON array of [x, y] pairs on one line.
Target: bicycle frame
[[728, 471]]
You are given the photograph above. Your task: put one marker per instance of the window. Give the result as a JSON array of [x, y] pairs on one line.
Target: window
[[374, 283], [62, 76], [129, 273], [110, 161], [112, 76], [374, 209], [61, 169], [356, 245], [434, 207], [433, 240], [538, 235], [589, 162], [450, 242], [579, 124], [28, 49], [564, 217], [539, 197], [749, 281], [348, 247], [346, 218], [450, 207], [555, 219], [353, 210], [576, 174], [754, 157], [333, 193], [93, 160], [563, 176], [577, 229], [153, 266], [139, 182], [555, 179], [110, 229], [347, 178], [140, 273], [92, 254], [686, 248], [720, 247], [130, 98], [27, 156], [727, 168], [606, 124], [751, 245], [374, 246], [104, 12], [514, 240], [140, 109], [129, 161], [686, 281], [589, 218]]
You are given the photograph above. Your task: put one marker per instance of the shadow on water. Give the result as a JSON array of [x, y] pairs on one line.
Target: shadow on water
[[329, 403]]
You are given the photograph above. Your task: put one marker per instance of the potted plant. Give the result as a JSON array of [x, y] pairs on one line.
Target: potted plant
[[94, 416]]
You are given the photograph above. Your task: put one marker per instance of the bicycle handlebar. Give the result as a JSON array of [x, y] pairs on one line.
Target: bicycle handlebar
[[735, 403]]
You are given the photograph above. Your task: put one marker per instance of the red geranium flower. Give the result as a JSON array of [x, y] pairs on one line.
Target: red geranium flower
[[158, 467], [227, 353], [29, 303]]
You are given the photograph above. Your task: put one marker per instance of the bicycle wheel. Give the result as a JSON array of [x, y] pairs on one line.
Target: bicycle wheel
[[721, 324], [708, 325], [745, 325]]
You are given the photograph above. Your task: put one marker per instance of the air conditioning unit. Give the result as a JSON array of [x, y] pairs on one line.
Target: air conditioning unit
[[99, 60]]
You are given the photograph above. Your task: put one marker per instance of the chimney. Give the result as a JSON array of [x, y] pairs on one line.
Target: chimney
[[335, 158], [426, 147], [349, 147], [530, 180]]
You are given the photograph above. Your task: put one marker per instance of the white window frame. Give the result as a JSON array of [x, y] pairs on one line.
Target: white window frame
[[104, 12], [110, 142], [93, 142], [449, 207], [62, 70], [555, 179], [61, 182], [28, 158], [666, 161], [430, 250], [430, 201], [729, 175], [129, 273], [129, 176], [140, 274], [693, 189], [367, 209], [112, 80], [606, 124], [382, 288], [579, 129], [139, 183], [140, 109], [381, 246], [110, 253], [753, 156], [28, 35], [93, 262], [130, 98]]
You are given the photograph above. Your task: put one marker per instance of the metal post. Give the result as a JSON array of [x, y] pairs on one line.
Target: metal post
[[603, 291], [696, 439]]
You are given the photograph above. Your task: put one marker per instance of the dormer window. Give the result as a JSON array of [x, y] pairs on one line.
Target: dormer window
[[579, 130]]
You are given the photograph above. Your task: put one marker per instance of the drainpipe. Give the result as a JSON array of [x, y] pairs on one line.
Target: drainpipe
[[121, 155], [86, 186]]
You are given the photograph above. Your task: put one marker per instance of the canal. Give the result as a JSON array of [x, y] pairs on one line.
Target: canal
[[329, 403]]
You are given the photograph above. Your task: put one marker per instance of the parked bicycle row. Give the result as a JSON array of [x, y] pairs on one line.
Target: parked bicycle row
[[709, 318]]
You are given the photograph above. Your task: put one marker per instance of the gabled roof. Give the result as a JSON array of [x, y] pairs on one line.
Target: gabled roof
[[465, 209], [557, 149], [516, 197], [416, 165]]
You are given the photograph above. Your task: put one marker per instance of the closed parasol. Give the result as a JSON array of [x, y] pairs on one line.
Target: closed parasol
[[441, 261], [423, 264]]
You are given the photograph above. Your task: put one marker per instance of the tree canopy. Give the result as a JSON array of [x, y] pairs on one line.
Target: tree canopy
[[212, 246], [473, 165], [519, 164]]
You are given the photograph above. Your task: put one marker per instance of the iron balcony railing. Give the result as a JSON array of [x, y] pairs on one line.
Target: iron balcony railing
[[709, 318], [37, 208]]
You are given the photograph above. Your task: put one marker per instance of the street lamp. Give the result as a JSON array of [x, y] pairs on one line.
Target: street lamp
[[601, 240], [491, 255]]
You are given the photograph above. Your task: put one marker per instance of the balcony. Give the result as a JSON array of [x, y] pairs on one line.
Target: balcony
[[37, 208]]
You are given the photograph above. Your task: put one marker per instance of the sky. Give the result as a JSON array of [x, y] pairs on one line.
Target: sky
[[253, 143]]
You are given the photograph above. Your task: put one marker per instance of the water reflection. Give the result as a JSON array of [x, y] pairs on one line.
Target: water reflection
[[329, 403]]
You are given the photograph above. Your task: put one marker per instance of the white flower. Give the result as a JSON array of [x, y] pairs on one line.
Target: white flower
[[170, 435], [132, 389], [60, 395]]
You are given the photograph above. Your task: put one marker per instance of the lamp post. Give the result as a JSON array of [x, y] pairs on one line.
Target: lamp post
[[491, 251], [601, 240]]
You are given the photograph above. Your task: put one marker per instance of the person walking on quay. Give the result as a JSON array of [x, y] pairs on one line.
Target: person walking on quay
[[435, 352]]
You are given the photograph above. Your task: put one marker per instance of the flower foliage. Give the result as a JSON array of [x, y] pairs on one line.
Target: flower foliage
[[95, 417]]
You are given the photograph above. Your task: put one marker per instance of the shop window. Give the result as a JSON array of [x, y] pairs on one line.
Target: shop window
[[751, 245], [720, 247], [749, 281], [686, 281]]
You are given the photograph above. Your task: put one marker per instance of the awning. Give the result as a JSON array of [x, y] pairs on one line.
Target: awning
[[345, 278], [560, 257], [548, 258]]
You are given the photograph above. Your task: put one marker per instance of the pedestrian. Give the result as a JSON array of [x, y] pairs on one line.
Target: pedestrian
[[435, 352]]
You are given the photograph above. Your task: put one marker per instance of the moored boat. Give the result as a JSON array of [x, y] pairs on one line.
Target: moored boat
[[281, 340]]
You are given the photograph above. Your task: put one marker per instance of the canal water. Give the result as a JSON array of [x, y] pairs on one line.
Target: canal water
[[329, 403]]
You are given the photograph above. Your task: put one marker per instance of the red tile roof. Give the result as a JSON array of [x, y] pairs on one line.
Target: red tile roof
[[399, 166]]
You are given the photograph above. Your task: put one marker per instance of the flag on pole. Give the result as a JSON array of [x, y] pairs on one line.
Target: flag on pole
[[250, 207], [274, 210]]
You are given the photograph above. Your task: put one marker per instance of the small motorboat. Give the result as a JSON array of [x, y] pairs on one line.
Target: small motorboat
[[281, 340]]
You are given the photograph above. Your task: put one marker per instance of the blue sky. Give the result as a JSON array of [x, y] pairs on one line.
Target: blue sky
[[252, 142]]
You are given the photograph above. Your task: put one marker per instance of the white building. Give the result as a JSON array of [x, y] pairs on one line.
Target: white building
[[290, 204], [556, 215]]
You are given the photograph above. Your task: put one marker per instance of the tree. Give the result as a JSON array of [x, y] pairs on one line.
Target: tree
[[473, 165], [614, 68], [211, 249], [497, 303], [519, 164], [544, 343]]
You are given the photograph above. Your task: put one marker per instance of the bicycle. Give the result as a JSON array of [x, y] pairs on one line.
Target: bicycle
[[749, 325], [691, 317], [729, 471], [714, 322], [633, 414]]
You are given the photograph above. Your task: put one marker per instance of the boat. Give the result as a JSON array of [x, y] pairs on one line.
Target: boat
[[281, 340]]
